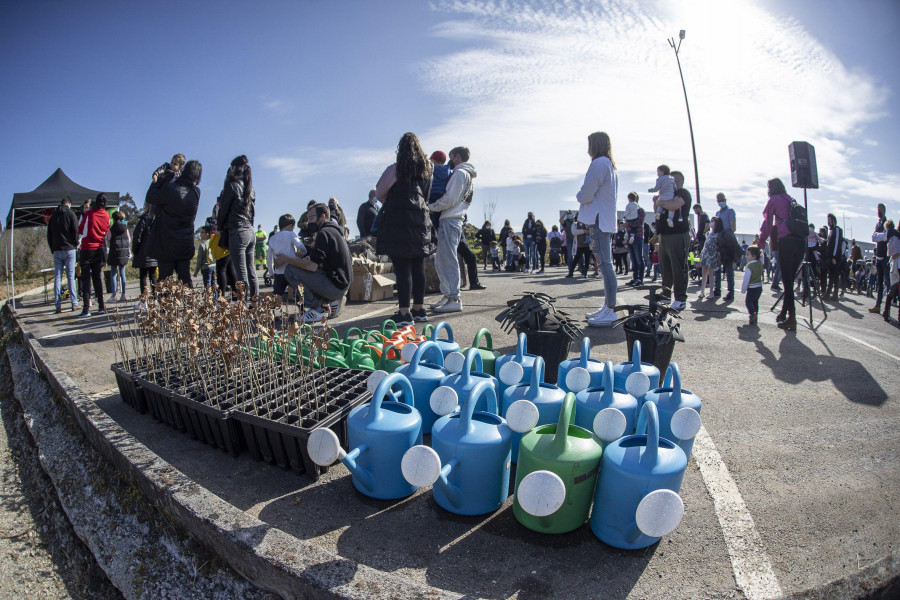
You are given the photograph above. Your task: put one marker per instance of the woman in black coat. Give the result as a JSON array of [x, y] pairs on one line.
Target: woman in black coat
[[237, 210], [145, 264], [405, 230], [486, 236], [540, 241], [119, 253]]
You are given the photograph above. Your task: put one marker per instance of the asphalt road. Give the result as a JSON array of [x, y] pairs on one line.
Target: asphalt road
[[794, 483]]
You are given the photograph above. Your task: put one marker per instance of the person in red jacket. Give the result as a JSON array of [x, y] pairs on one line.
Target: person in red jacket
[[93, 231]]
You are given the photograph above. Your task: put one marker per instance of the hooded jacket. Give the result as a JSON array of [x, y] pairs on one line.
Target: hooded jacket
[[140, 241], [453, 205], [172, 234], [118, 245], [332, 254], [62, 230]]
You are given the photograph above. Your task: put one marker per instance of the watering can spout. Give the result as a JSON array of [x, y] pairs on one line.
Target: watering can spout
[[363, 476], [453, 492]]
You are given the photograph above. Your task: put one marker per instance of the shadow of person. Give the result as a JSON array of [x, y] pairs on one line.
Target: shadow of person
[[797, 363]]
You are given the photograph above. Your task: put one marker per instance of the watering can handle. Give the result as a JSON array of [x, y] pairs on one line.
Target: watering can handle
[[483, 333], [440, 326], [636, 355], [424, 347], [650, 421], [521, 347], [383, 388], [673, 377], [585, 353], [472, 355], [427, 329], [566, 416], [481, 388], [384, 327], [537, 376], [356, 330], [608, 382]]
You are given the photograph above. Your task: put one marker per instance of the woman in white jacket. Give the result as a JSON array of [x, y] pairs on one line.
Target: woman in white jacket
[[597, 198]]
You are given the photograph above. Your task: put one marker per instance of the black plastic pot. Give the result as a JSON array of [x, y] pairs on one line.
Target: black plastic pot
[[132, 394], [659, 355], [161, 405], [211, 424], [277, 431], [552, 346]]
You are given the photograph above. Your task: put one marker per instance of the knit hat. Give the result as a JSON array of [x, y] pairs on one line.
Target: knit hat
[[438, 156]]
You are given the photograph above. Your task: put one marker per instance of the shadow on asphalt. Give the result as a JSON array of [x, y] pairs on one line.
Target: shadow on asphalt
[[851, 378]]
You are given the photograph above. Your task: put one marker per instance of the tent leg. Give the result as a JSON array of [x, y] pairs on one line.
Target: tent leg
[[12, 251]]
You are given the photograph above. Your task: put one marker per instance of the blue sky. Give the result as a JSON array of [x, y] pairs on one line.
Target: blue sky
[[318, 93]]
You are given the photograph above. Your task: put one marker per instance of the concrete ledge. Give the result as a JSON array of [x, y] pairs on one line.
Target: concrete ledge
[[266, 556]]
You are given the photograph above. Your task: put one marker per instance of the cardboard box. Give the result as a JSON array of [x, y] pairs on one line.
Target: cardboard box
[[368, 286]]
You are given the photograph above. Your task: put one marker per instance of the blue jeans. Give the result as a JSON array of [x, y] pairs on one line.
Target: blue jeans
[[776, 272], [636, 251], [882, 278], [570, 255], [209, 279], [242, 245], [603, 250], [728, 267], [317, 288], [64, 259], [446, 261], [118, 274], [529, 252]]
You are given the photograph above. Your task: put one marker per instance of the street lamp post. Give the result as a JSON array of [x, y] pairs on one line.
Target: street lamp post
[[690, 126]]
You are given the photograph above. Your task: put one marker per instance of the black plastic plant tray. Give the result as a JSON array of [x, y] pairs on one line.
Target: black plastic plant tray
[[280, 436], [211, 424], [132, 394], [162, 407]]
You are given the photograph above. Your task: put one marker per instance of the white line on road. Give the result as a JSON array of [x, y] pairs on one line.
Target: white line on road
[[752, 570], [859, 341]]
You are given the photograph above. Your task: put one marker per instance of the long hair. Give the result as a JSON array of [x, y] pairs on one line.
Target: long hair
[[240, 171], [599, 145], [776, 186], [412, 163]]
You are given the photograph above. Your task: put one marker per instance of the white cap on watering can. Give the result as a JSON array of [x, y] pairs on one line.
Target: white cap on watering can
[[685, 423], [324, 447], [578, 379], [541, 493], [408, 351], [374, 380], [421, 466], [637, 384], [659, 513], [443, 401], [522, 416], [609, 424], [454, 362], [511, 373]]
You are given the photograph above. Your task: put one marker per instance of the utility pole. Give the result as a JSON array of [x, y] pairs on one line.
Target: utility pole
[[690, 125]]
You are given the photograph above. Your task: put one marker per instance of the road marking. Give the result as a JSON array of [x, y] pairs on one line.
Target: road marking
[[82, 330], [858, 341], [749, 561]]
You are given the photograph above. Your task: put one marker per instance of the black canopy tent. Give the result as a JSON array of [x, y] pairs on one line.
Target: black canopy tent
[[33, 209]]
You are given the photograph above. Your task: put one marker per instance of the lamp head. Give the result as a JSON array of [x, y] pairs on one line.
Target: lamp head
[[681, 34]]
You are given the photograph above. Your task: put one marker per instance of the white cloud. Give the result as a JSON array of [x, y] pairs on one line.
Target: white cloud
[[277, 106], [300, 164]]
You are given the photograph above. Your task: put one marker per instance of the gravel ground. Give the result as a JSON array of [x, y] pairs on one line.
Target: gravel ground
[[40, 555]]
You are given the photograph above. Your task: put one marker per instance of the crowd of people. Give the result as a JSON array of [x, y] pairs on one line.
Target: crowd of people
[[419, 207]]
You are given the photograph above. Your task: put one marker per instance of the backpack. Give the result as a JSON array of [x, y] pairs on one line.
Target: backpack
[[796, 221]]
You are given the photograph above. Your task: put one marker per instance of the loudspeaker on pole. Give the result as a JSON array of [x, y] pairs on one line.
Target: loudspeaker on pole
[[803, 165]]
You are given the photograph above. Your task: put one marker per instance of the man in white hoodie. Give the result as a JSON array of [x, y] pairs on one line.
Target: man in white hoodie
[[453, 206]]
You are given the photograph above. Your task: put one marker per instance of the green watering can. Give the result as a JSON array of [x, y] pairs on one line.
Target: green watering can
[[357, 356], [488, 355], [557, 452], [390, 358]]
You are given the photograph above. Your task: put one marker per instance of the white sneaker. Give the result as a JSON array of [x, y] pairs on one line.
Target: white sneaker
[[451, 305], [606, 318], [335, 307], [112, 299], [441, 302], [597, 312], [677, 305], [314, 316]]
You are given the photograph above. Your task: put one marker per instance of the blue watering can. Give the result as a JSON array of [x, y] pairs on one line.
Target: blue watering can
[[468, 463], [425, 377], [593, 366], [556, 474], [447, 346], [519, 356], [546, 397], [379, 433], [624, 369], [463, 378], [637, 499], [591, 401], [669, 399]]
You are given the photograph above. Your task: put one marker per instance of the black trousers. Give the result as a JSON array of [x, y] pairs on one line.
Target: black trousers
[[410, 274], [182, 268], [92, 262], [225, 276], [790, 254], [542, 251], [582, 251], [469, 258], [147, 273]]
